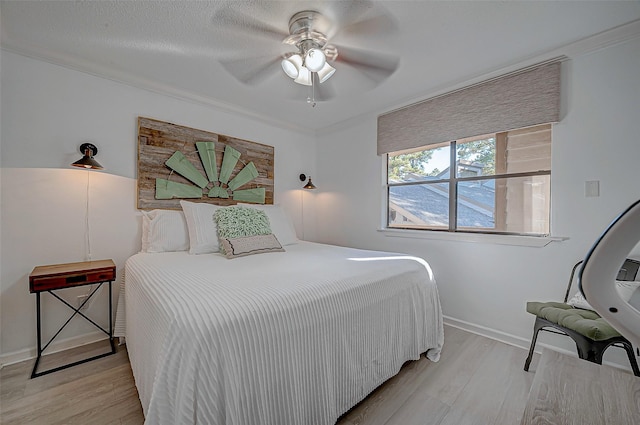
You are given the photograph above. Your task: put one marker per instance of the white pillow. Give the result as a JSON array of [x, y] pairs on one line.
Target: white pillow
[[281, 224], [625, 290], [203, 234], [164, 231]]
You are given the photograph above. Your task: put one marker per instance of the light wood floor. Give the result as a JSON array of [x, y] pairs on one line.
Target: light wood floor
[[567, 390], [477, 381]]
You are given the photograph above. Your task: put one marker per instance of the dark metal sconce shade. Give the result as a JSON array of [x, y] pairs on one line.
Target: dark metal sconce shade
[[89, 151], [309, 184]]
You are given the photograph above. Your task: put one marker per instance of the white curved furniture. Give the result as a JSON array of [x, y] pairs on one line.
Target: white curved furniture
[[601, 266]]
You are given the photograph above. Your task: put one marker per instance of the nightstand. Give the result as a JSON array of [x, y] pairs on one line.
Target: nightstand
[[60, 276]]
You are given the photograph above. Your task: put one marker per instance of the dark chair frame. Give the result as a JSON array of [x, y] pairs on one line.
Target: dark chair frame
[[588, 349]]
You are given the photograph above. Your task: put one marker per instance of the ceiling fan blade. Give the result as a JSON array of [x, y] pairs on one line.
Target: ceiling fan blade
[[245, 24], [320, 92], [377, 66], [251, 71], [349, 12], [324, 91], [379, 25]]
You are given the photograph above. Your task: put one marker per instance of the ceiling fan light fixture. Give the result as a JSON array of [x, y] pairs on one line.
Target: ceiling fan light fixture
[[330, 52], [314, 60], [326, 72], [292, 65], [304, 77]]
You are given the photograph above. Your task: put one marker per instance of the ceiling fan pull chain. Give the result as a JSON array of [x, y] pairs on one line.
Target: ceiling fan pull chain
[[312, 99]]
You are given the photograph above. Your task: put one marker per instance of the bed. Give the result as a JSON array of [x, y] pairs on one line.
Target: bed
[[293, 337]]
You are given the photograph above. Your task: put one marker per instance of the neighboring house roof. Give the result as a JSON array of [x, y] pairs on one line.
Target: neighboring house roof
[[430, 202]]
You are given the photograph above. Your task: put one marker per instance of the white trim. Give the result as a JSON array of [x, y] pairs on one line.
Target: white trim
[[513, 240], [588, 45], [487, 238], [584, 46], [65, 344], [514, 340], [496, 335], [607, 38], [142, 83]]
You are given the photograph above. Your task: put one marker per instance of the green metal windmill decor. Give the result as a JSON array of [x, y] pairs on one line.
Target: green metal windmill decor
[[215, 184], [177, 162]]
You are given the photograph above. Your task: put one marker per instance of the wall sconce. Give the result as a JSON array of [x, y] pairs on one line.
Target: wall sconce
[[87, 162], [89, 151], [309, 184]]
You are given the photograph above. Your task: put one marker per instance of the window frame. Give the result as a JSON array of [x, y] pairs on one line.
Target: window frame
[[452, 182]]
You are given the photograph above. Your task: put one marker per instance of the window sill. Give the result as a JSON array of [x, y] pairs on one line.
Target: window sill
[[515, 240]]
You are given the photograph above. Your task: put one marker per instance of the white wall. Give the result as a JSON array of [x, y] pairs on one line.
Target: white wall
[[485, 284], [47, 112]]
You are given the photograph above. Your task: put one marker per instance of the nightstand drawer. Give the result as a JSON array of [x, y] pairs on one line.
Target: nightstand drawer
[[67, 281], [45, 278]]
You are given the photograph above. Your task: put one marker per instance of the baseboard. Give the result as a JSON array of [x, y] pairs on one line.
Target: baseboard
[[64, 344], [507, 338], [516, 341]]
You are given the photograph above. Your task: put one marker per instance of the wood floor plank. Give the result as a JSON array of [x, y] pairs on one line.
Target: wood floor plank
[[71, 374], [49, 361], [570, 391], [520, 382], [133, 418], [420, 409], [383, 402], [482, 398], [79, 395], [12, 382], [64, 401], [462, 355], [623, 397], [558, 380], [105, 412]]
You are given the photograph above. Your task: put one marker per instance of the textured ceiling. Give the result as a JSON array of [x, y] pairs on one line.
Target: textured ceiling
[[188, 48]]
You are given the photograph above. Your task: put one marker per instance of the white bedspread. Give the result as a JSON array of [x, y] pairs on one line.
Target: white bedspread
[[297, 337]]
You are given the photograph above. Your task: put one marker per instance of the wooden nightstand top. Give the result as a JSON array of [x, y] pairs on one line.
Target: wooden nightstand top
[[58, 276]]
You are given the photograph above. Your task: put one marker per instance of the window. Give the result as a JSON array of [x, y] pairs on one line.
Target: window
[[493, 183]]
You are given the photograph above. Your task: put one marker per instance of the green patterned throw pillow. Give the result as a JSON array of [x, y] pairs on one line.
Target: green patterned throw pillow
[[237, 221]]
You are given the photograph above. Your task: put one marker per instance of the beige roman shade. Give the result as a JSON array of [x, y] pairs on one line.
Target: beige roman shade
[[516, 100]]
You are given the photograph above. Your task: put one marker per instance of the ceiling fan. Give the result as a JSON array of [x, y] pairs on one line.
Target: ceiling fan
[[311, 58]]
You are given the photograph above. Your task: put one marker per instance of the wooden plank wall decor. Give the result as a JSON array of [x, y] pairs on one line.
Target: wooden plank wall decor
[[176, 162]]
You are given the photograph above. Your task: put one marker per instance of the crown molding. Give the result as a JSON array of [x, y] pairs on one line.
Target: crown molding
[[611, 37], [137, 82], [608, 38], [584, 46]]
